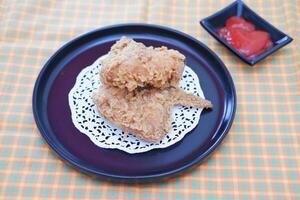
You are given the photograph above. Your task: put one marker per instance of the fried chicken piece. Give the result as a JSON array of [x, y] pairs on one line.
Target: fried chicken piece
[[146, 113], [130, 65]]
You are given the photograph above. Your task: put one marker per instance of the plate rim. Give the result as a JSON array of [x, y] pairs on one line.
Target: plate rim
[[62, 155]]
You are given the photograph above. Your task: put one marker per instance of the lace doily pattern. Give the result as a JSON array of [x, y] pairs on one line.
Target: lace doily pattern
[[104, 134]]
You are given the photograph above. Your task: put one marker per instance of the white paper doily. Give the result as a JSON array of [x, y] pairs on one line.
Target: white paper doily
[[104, 134]]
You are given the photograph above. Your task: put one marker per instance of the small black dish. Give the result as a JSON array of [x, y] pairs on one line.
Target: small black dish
[[216, 21]]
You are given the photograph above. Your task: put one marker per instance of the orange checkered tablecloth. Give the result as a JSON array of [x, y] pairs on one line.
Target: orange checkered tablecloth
[[260, 157]]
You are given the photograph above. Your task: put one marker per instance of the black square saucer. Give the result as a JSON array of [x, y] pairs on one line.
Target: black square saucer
[[216, 21]]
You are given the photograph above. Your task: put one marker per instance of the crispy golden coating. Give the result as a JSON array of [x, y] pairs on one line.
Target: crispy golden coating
[[145, 113], [131, 65], [140, 86]]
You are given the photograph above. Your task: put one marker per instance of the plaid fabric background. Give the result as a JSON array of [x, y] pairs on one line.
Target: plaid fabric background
[[260, 157]]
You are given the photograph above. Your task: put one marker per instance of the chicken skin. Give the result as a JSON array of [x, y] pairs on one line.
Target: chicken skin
[[131, 65], [145, 113], [140, 87]]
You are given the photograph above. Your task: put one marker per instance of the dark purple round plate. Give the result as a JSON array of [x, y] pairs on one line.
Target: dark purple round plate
[[53, 116]]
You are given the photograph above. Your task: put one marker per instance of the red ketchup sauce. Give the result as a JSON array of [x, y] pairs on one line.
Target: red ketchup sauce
[[243, 36]]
